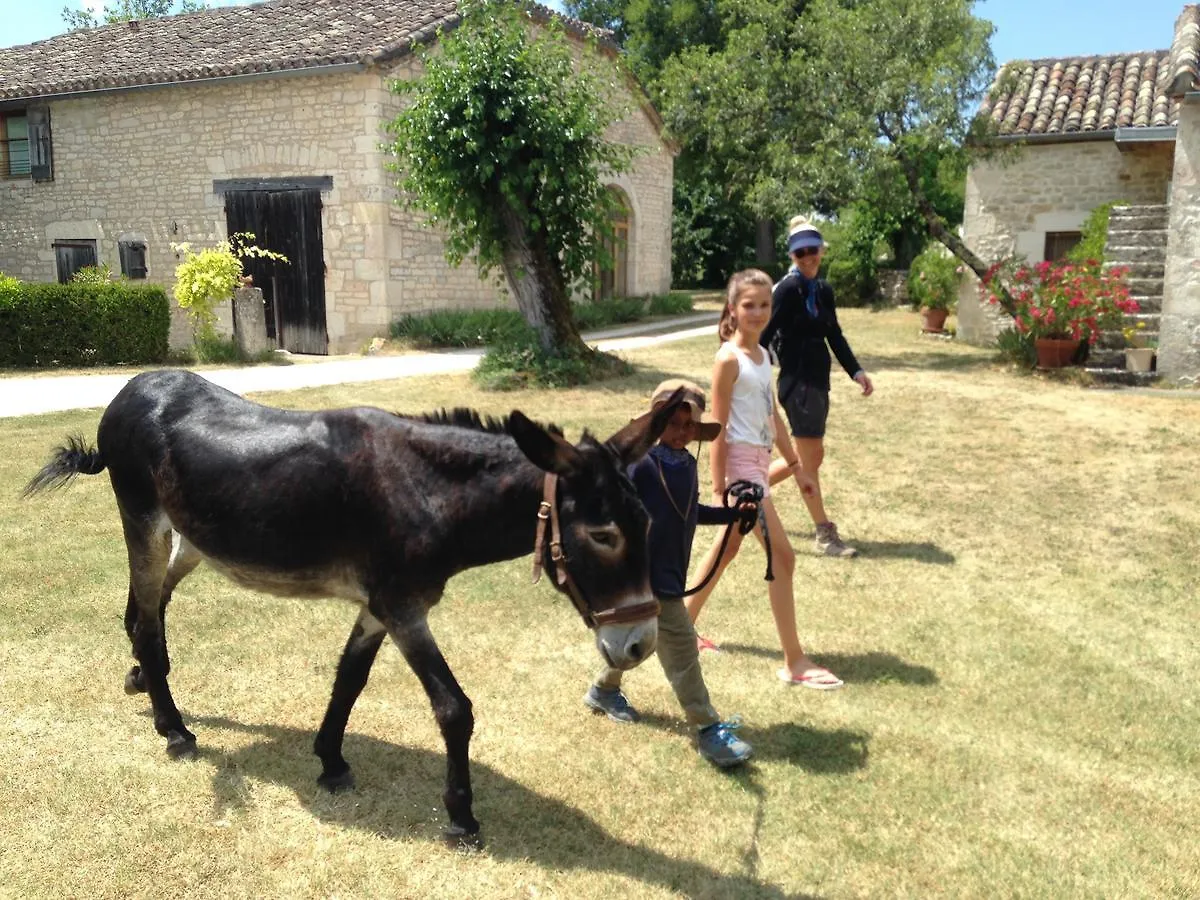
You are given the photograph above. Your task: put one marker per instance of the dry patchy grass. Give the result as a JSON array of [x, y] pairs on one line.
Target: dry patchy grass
[[1019, 641]]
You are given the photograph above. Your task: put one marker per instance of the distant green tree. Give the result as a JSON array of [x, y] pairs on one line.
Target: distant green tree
[[128, 10]]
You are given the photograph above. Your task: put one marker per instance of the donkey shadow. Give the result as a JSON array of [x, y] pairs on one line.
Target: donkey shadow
[[519, 823]]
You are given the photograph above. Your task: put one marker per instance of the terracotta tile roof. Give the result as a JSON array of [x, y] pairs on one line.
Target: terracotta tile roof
[[1184, 64], [1098, 93], [267, 37]]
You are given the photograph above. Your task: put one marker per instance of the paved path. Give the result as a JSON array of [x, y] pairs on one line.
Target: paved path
[[49, 393]]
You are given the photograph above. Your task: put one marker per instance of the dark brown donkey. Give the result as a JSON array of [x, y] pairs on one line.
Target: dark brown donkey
[[363, 504]]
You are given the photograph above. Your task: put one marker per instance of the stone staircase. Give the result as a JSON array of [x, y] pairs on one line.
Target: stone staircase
[[1137, 241]]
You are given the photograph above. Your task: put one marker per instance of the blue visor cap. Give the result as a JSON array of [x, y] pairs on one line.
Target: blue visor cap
[[804, 237]]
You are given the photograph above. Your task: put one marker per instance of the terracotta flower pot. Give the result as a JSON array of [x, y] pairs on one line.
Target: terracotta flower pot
[[1054, 353], [933, 320], [1139, 359]]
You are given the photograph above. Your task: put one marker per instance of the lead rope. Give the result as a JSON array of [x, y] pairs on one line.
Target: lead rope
[[736, 493]]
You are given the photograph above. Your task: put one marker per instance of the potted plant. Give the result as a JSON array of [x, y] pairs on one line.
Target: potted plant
[[1139, 355], [1061, 305], [933, 287]]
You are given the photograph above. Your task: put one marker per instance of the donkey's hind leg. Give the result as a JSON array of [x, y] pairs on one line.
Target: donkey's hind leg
[[352, 673], [184, 558], [148, 541]]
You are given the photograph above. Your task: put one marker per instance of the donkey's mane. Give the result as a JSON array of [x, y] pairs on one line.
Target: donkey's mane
[[462, 417]]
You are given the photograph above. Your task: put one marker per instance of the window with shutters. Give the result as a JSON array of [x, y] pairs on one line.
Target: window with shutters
[[71, 256], [133, 258], [25, 149]]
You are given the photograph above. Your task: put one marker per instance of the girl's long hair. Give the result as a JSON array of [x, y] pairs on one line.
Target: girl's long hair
[[737, 283]]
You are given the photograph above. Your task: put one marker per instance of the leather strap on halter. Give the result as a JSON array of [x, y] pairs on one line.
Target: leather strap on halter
[[548, 510]]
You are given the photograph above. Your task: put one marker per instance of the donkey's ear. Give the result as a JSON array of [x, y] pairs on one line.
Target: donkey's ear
[[546, 450], [634, 440]]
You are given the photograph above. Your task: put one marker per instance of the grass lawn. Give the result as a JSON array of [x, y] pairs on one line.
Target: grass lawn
[[1020, 641]]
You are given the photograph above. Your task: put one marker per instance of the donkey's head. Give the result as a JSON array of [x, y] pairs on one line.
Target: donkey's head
[[596, 529]]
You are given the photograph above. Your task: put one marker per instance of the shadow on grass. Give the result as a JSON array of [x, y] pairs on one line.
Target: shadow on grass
[[398, 787], [853, 668], [920, 551], [818, 752], [933, 360]]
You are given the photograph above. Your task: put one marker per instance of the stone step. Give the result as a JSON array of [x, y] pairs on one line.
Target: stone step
[[1138, 210], [1138, 221], [1157, 269], [1124, 255], [1145, 287], [1111, 376], [1125, 237]]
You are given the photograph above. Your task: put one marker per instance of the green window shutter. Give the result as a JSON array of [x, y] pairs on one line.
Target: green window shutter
[[41, 153]]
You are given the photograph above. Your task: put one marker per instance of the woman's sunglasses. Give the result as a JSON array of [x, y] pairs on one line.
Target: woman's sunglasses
[[807, 251]]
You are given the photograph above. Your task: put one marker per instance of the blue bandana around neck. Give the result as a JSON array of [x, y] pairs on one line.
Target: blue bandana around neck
[[669, 456], [811, 301]]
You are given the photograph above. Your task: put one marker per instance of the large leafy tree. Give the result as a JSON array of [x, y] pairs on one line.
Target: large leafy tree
[[899, 83], [503, 146], [127, 10], [823, 105]]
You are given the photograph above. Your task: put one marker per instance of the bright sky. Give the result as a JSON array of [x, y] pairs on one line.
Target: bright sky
[[1025, 29]]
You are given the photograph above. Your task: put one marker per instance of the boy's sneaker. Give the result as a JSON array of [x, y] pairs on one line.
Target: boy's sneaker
[[610, 702], [829, 544], [720, 746]]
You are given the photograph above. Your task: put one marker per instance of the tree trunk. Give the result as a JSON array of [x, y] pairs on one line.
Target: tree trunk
[[764, 243], [946, 236], [536, 282]]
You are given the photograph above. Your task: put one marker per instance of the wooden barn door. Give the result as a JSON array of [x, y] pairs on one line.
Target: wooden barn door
[[287, 222]]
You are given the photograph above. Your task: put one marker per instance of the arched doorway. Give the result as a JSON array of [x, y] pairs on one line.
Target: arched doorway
[[614, 282]]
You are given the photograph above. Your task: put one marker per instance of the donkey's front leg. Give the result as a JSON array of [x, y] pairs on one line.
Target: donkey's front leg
[[454, 717], [352, 673]]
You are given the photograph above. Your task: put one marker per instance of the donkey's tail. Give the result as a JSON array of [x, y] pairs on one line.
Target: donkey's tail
[[73, 459]]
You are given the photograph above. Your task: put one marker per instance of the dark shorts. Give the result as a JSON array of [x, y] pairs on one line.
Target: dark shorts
[[807, 408]]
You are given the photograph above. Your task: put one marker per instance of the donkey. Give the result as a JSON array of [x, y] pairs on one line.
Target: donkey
[[370, 506]]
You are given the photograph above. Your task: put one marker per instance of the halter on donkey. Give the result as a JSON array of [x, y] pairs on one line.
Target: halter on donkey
[[373, 507]]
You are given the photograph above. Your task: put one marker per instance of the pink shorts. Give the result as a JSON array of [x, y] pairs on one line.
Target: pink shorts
[[748, 462]]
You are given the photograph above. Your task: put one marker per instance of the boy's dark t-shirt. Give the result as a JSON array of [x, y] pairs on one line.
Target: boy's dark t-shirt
[[660, 471]]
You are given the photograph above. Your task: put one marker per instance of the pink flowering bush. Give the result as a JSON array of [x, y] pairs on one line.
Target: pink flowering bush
[[1062, 300]]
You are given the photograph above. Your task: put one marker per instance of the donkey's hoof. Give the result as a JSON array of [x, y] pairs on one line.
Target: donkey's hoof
[[342, 781], [181, 745], [135, 681], [458, 838]]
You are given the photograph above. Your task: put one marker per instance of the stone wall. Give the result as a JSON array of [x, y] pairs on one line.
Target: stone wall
[[1179, 328], [142, 163], [1048, 187]]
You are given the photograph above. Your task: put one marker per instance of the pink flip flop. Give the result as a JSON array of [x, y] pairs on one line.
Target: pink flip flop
[[817, 680], [703, 643]]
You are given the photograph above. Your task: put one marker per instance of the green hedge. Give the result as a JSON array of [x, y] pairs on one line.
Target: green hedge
[[489, 327], [82, 324]]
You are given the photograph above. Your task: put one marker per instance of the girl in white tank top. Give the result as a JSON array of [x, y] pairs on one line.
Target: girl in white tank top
[[744, 403], [752, 405]]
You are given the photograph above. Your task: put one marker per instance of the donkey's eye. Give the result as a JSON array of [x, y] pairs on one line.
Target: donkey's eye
[[609, 537], [605, 537]]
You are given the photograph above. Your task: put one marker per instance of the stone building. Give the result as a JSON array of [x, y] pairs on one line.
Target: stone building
[[117, 142], [1119, 129]]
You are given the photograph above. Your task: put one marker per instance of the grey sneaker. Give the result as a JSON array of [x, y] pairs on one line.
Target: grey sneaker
[[721, 747], [612, 703], [829, 544]]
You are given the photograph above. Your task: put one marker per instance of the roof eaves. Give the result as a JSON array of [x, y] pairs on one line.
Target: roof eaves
[[66, 91]]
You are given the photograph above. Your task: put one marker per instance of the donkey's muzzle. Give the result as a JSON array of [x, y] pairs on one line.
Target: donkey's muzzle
[[625, 646]]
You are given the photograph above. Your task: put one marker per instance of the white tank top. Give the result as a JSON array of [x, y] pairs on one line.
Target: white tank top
[[752, 408]]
